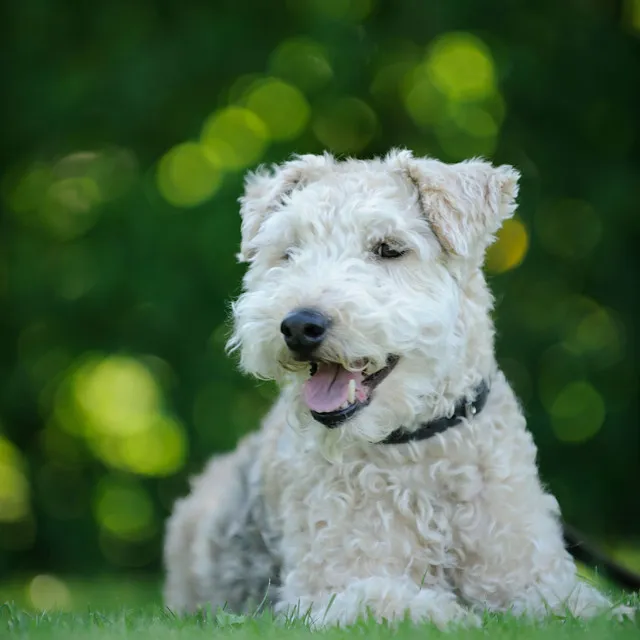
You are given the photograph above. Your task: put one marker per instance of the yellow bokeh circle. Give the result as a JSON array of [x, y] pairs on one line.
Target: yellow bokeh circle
[[461, 67], [282, 108], [235, 138], [510, 248], [187, 175], [577, 412]]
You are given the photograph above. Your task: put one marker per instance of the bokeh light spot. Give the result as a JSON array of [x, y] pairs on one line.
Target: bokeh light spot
[[474, 120], [568, 228], [346, 125], [461, 67], [235, 137], [187, 175], [69, 208], [577, 412], [63, 198], [282, 108], [14, 486], [115, 404], [509, 249], [592, 330], [302, 62], [424, 103], [599, 332], [47, 592], [627, 553], [575, 309], [116, 395], [452, 93], [159, 450], [113, 170], [631, 14], [124, 509]]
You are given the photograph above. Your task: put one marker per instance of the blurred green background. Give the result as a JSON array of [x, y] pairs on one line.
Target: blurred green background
[[127, 128]]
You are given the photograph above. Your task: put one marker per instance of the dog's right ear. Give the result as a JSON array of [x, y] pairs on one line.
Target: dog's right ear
[[267, 189]]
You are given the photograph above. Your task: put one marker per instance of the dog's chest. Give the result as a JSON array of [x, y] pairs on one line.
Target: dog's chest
[[359, 517]]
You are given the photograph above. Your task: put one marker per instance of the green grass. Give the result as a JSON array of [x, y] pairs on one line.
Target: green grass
[[104, 610], [154, 623]]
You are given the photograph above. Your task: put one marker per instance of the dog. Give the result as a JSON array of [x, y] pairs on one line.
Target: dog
[[394, 476]]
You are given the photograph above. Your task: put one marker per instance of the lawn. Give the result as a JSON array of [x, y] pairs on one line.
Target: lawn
[[104, 609], [153, 623]]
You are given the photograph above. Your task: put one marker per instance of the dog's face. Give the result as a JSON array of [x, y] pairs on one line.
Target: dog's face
[[356, 283]]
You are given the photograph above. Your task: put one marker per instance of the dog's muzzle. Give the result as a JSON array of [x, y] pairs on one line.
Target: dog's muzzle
[[333, 393]]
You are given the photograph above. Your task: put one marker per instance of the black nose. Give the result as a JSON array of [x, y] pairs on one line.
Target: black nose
[[304, 330]]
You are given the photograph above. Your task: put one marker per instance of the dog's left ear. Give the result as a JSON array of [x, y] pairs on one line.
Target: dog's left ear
[[465, 203], [268, 188]]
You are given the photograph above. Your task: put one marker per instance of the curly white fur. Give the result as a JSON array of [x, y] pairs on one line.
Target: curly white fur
[[328, 522]]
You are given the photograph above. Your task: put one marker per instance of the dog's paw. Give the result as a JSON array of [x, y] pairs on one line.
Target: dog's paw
[[623, 612], [376, 599], [441, 609]]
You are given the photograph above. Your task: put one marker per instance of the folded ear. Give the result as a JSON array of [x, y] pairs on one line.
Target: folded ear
[[465, 203], [268, 188]]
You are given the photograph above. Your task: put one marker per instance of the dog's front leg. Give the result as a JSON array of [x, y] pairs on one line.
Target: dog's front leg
[[380, 598], [511, 553], [217, 550]]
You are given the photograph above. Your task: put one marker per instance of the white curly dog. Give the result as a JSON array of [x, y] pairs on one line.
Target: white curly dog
[[395, 475]]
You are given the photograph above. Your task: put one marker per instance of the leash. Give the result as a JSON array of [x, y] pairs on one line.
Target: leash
[[588, 554]]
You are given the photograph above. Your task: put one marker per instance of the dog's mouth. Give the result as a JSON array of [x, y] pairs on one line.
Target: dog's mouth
[[335, 394]]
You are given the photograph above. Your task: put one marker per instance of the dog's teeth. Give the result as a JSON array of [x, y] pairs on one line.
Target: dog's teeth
[[371, 369], [352, 391]]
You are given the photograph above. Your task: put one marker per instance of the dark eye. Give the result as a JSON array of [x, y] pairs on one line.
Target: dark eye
[[384, 250]]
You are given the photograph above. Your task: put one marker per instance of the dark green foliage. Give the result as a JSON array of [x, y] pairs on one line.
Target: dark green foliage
[[94, 258]]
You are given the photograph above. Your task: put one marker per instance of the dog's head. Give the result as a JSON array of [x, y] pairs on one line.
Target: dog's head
[[364, 288]]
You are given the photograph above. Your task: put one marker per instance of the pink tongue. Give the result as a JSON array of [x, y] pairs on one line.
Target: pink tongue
[[328, 389]]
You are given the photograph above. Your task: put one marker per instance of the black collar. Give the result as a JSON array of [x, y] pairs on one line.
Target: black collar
[[465, 408]]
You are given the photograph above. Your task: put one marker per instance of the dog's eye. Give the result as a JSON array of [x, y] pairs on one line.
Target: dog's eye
[[384, 250], [286, 256]]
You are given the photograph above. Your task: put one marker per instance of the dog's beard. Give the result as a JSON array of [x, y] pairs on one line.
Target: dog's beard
[[358, 344]]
